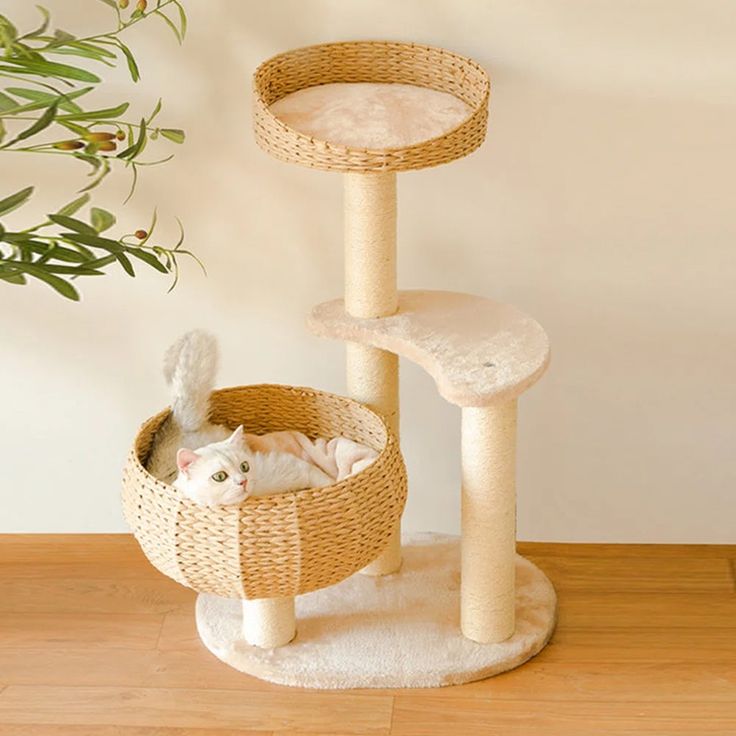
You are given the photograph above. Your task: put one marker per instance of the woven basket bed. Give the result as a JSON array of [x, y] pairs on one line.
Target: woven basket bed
[[369, 61], [271, 546]]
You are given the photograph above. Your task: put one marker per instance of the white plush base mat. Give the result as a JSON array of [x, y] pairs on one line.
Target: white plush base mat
[[396, 631]]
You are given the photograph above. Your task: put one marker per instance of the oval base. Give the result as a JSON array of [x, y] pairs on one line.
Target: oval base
[[396, 631]]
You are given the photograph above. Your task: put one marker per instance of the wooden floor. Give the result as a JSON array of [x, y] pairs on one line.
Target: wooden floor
[[95, 641]]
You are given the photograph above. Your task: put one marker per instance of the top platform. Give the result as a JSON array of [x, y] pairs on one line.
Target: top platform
[[478, 351], [422, 106]]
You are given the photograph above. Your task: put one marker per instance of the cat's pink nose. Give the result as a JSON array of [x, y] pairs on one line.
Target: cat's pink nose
[[244, 482]]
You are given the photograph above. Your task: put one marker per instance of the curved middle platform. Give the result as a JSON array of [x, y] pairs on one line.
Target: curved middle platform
[[478, 351], [396, 631]]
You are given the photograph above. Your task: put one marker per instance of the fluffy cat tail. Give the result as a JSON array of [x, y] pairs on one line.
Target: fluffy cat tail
[[190, 365]]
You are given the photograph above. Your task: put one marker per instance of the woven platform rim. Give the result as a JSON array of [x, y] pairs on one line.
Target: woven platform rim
[[277, 499], [279, 545], [288, 144]]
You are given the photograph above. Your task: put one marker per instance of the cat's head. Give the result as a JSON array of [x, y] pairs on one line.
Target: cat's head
[[216, 474]]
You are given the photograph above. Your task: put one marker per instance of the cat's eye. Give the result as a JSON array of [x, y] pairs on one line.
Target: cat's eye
[[245, 466], [219, 476]]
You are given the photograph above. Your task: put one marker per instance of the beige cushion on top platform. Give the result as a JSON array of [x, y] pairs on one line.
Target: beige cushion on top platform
[[371, 115]]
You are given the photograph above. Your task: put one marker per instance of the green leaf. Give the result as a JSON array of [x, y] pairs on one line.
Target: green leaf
[[132, 151], [81, 270], [85, 49], [173, 134], [43, 122], [12, 277], [61, 38], [44, 99], [93, 161], [156, 111], [101, 219], [108, 112], [125, 263], [148, 258], [85, 252], [77, 129], [3, 131], [71, 224], [133, 182], [95, 241], [44, 24], [69, 209], [55, 282], [6, 103], [51, 69], [101, 262], [25, 240], [8, 32], [15, 200], [112, 4], [169, 23], [132, 66], [56, 251], [182, 19], [104, 171]]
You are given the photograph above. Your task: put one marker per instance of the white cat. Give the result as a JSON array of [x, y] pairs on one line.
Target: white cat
[[226, 468], [227, 472]]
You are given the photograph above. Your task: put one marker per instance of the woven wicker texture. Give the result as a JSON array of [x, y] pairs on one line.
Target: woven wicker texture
[[280, 545], [369, 61]]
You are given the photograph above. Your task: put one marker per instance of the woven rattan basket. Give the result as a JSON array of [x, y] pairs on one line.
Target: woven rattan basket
[[370, 61], [279, 545]]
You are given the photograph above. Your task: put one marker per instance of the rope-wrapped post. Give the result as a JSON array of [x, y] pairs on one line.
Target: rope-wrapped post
[[488, 522], [269, 622], [370, 291]]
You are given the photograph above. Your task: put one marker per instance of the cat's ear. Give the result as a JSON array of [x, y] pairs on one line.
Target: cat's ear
[[236, 438], [184, 458]]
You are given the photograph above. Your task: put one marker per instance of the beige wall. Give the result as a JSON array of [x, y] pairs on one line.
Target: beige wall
[[602, 203]]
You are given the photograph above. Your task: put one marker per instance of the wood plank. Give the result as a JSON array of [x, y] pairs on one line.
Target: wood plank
[[299, 711], [647, 610], [179, 633], [633, 644], [111, 631], [97, 730], [597, 550], [435, 716], [29, 549], [123, 668], [73, 555], [602, 682], [96, 595], [636, 574]]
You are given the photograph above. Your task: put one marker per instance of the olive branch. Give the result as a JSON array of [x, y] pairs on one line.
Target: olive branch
[[46, 96]]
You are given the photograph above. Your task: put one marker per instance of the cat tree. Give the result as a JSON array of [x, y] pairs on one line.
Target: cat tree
[[481, 354], [330, 107]]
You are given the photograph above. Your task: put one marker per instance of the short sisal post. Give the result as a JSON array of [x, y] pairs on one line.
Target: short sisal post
[[269, 622], [488, 522], [370, 291]]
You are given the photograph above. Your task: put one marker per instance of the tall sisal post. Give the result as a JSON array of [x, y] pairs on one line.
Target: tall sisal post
[[269, 622], [370, 291], [488, 522]]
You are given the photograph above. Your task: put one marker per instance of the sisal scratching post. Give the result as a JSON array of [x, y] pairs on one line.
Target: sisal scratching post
[[488, 522], [370, 291], [269, 622]]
